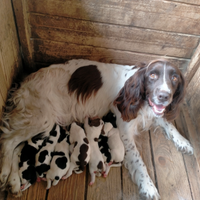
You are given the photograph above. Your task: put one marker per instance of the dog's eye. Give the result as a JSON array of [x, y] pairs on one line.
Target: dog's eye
[[174, 78], [153, 76]]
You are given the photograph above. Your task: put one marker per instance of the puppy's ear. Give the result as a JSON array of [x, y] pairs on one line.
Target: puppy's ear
[[172, 110], [131, 97]]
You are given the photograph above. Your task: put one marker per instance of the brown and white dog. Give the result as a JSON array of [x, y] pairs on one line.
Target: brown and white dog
[[63, 93]]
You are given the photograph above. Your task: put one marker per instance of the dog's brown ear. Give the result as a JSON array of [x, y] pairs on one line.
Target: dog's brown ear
[[131, 97], [172, 110]]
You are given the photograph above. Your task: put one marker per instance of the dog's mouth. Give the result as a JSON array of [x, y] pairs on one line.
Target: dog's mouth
[[157, 109]]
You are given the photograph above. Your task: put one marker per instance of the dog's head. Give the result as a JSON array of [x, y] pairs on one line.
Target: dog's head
[[160, 83]]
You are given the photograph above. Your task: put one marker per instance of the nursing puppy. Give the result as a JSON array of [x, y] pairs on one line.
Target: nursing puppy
[[27, 171], [103, 140], [116, 147], [43, 157], [81, 152], [96, 164], [60, 162]]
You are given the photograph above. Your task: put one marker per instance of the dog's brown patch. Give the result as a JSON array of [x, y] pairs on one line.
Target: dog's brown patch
[[94, 122], [102, 132], [100, 165], [85, 81]]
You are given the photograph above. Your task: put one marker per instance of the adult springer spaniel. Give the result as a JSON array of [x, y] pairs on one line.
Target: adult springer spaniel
[[63, 93]]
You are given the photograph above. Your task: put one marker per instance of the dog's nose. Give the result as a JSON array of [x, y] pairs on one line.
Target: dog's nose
[[163, 96]]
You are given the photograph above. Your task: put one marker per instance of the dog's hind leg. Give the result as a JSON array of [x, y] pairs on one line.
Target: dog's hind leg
[[6, 155], [14, 183]]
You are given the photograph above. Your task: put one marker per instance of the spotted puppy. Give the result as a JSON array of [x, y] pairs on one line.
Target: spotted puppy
[[81, 153], [60, 162], [27, 171], [110, 117], [103, 143], [103, 140], [43, 157], [116, 147], [96, 164]]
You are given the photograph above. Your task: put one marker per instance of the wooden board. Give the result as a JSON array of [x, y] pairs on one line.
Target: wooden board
[[71, 188], [21, 13], [191, 164], [192, 132], [111, 36], [10, 59], [193, 95], [192, 2], [159, 15], [57, 52], [36, 191], [171, 175], [3, 83], [193, 65], [9, 47], [109, 188]]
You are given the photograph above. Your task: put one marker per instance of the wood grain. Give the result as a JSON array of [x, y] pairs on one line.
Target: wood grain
[[36, 191], [192, 95], [21, 13], [192, 2], [192, 131], [3, 83], [111, 36], [95, 29], [170, 169], [55, 52], [23, 197], [130, 190], [71, 188], [193, 65], [10, 59], [9, 47], [191, 164], [1, 103], [106, 188], [159, 15]]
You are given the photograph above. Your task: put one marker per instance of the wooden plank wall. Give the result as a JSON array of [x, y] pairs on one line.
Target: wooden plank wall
[[10, 58], [116, 31]]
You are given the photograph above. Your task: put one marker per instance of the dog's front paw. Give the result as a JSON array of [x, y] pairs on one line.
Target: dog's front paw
[[183, 146], [148, 191]]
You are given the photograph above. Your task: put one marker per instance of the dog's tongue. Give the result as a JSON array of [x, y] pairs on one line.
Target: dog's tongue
[[158, 109]]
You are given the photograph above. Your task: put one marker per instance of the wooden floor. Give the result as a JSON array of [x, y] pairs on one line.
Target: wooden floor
[[176, 175]]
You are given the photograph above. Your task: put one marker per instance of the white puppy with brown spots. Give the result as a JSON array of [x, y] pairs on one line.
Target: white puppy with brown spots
[[96, 164], [116, 147], [81, 153]]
